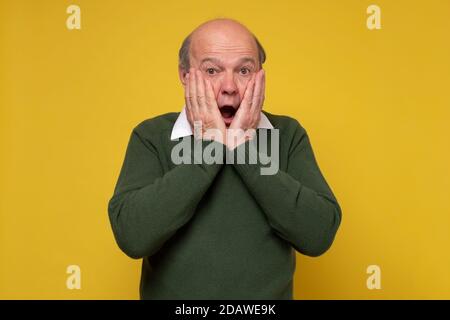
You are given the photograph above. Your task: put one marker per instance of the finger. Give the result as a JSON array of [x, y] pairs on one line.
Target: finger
[[263, 89], [248, 95], [210, 97], [258, 92], [186, 93], [193, 91], [189, 115], [201, 98]]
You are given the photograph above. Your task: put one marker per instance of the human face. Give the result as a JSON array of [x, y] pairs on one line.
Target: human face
[[227, 56]]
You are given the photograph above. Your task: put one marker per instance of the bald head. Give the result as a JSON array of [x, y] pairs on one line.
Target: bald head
[[220, 35]]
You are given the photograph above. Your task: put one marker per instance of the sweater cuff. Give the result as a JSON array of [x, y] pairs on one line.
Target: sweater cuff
[[211, 157], [246, 159]]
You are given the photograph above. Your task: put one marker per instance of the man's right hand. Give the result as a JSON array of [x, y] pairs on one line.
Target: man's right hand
[[201, 108]]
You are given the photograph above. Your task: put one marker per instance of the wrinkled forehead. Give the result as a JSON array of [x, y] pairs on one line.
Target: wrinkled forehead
[[226, 45]]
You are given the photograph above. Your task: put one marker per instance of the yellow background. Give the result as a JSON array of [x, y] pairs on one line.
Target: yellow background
[[375, 103]]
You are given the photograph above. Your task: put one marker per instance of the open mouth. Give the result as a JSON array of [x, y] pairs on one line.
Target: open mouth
[[227, 113]]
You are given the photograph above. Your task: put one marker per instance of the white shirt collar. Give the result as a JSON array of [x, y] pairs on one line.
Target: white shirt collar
[[182, 128]]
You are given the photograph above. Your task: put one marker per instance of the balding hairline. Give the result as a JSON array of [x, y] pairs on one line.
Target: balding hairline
[[183, 53]]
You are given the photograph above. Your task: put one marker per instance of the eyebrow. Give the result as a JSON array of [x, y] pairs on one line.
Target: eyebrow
[[213, 60], [247, 59], [218, 61]]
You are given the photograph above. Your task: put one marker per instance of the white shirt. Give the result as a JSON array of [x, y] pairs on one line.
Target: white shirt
[[182, 128]]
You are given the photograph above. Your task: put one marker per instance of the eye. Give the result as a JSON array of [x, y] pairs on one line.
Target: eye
[[210, 71], [244, 71]]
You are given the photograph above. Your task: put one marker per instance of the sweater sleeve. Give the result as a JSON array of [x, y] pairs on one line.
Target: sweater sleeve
[[147, 206], [298, 202]]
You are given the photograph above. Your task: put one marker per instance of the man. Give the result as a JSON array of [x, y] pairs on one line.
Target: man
[[221, 230]]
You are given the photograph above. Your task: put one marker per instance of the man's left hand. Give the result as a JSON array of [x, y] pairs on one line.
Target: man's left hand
[[243, 127]]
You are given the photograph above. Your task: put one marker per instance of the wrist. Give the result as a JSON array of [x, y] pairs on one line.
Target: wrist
[[236, 137], [215, 134]]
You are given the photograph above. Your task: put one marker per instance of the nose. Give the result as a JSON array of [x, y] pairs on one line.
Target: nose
[[229, 86]]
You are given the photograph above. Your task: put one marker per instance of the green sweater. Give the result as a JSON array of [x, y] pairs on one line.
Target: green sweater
[[220, 231]]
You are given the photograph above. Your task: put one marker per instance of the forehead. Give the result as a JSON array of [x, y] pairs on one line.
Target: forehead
[[224, 45]]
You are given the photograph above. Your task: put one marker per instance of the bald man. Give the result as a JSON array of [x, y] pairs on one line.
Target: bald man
[[221, 229]]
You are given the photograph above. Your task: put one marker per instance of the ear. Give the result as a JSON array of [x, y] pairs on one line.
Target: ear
[[182, 75]]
